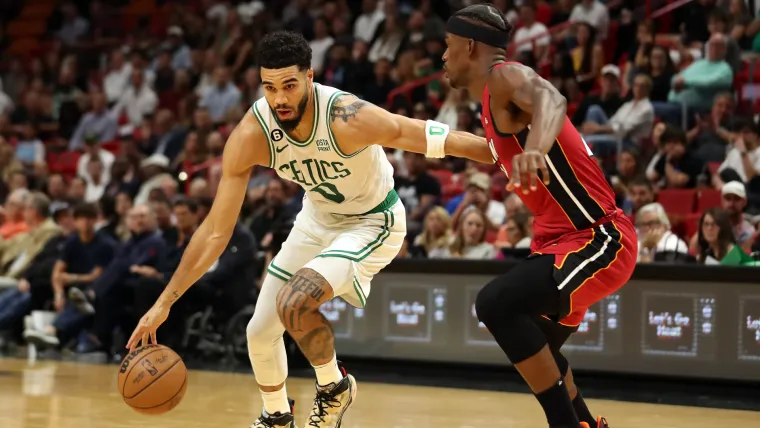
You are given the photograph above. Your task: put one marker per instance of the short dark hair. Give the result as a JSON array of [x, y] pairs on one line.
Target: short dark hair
[[745, 123], [487, 15], [190, 204], [719, 15], [85, 210], [641, 182], [282, 49], [673, 134]]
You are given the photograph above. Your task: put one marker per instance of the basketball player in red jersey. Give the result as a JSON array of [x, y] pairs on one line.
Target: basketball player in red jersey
[[583, 249]]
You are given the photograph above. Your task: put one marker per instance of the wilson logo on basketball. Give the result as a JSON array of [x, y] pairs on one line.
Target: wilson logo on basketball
[[130, 357]]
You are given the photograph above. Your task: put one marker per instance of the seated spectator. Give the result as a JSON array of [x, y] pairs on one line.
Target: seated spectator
[[638, 59], [436, 236], [608, 99], [478, 194], [640, 193], [162, 207], [222, 96], [154, 172], [696, 86], [719, 23], [743, 158], [631, 123], [595, 14], [274, 213], [29, 148], [661, 70], [105, 298], [715, 238], [710, 135], [656, 241], [137, 101], [627, 171], [419, 191], [116, 79], [115, 217], [588, 56], [514, 233], [96, 180], [81, 261], [470, 238], [93, 150], [513, 205], [97, 125], [13, 215], [532, 35], [226, 286], [733, 202], [74, 27], [123, 178], [677, 168], [24, 261]]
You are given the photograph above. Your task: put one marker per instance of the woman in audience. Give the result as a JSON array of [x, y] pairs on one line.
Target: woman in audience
[[639, 56], [661, 70], [715, 237], [436, 235], [515, 233], [470, 241], [628, 169], [588, 56]]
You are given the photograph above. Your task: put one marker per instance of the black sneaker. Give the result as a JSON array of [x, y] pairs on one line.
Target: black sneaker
[[277, 420], [331, 402]]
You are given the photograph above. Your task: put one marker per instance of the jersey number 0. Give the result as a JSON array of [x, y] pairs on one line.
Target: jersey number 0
[[329, 192]]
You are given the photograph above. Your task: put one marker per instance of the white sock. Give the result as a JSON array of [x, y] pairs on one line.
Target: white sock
[[276, 401], [328, 373]]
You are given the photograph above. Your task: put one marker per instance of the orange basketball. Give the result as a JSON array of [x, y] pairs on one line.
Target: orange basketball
[[152, 379]]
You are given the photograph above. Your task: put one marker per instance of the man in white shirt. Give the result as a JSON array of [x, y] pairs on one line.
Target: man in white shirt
[[137, 101], [92, 150], [653, 229], [532, 35], [116, 80], [593, 13], [320, 45], [631, 123], [366, 24]]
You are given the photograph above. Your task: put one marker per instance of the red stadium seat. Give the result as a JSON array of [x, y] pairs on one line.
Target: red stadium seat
[[678, 202], [442, 175], [64, 163], [708, 198], [712, 167], [112, 146]]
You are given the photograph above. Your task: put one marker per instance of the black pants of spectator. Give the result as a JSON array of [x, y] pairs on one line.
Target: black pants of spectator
[[147, 290], [113, 307]]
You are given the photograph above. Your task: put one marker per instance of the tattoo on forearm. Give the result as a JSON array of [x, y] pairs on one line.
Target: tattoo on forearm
[[174, 298], [346, 110]]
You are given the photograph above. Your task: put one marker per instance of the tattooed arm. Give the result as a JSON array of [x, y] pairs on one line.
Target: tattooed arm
[[534, 95], [358, 124]]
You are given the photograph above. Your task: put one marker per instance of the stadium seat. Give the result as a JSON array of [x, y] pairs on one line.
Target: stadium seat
[[442, 175], [27, 28], [712, 167], [707, 198], [112, 146], [64, 163], [678, 202]]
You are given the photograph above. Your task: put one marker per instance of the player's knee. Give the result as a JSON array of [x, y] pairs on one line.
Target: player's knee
[[301, 295], [257, 334], [488, 305]]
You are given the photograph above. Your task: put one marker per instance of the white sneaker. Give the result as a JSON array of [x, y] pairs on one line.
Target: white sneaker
[[331, 403], [41, 338]]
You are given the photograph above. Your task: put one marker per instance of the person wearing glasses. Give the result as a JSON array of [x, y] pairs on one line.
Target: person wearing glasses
[[656, 241]]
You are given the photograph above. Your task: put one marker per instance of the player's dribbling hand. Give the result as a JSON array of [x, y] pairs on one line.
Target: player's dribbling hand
[[146, 328], [525, 169]]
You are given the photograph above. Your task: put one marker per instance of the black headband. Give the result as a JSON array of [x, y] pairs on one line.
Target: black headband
[[468, 30]]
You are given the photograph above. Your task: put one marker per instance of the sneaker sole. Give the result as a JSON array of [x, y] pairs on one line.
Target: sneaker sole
[[39, 340], [351, 399]]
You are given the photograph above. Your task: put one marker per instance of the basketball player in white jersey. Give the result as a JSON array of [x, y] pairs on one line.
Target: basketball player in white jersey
[[351, 226]]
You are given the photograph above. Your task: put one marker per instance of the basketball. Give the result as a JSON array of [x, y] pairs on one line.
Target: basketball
[[152, 379]]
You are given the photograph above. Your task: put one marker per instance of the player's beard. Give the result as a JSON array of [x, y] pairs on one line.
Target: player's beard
[[291, 124]]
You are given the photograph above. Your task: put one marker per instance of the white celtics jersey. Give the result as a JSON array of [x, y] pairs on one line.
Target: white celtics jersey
[[334, 181]]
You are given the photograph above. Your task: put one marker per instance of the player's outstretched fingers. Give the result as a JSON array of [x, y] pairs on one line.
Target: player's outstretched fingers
[[544, 171], [514, 179]]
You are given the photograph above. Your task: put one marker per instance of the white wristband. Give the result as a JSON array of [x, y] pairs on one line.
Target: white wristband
[[435, 135]]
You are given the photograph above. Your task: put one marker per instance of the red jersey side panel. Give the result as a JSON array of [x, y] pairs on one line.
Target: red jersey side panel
[[577, 195]]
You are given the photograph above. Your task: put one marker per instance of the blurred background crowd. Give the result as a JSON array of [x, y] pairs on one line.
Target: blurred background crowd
[[113, 115]]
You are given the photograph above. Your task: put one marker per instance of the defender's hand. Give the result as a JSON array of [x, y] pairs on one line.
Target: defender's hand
[[525, 169], [146, 328]]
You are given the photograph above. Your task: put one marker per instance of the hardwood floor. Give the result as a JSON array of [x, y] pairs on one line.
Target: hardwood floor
[[70, 395]]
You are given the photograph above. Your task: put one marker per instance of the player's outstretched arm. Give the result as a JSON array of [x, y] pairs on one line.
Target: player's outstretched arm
[[245, 148], [535, 95], [358, 124]]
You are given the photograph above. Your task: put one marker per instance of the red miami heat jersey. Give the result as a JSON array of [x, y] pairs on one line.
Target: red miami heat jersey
[[578, 195]]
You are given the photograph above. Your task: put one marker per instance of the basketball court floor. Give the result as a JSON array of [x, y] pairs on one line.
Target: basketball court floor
[[78, 395]]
